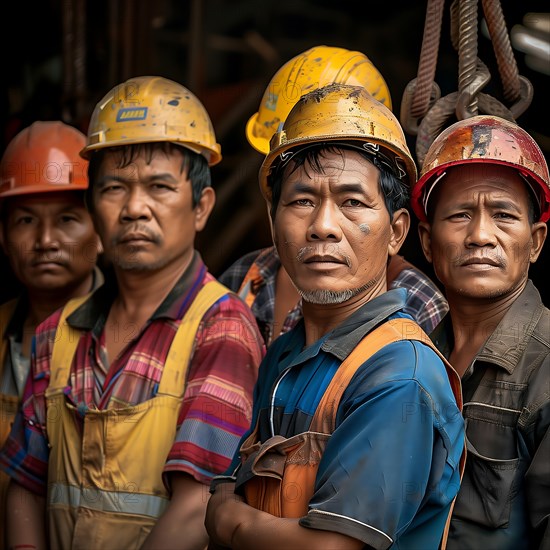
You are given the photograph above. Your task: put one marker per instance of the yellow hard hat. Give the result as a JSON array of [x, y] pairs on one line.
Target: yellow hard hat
[[152, 109], [341, 113], [312, 69], [484, 139]]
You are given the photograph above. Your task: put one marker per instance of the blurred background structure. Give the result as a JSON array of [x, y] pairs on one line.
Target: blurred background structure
[[62, 56]]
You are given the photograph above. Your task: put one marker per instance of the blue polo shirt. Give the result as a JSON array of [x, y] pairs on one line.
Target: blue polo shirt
[[390, 469]]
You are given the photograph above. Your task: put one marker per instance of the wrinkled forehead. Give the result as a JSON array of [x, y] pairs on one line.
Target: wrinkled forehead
[[478, 181]]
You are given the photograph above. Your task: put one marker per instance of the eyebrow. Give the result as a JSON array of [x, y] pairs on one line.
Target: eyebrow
[[165, 176], [302, 187], [499, 204], [63, 207]]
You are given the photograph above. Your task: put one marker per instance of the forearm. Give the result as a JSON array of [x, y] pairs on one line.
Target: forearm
[[25, 518], [182, 523], [234, 524]]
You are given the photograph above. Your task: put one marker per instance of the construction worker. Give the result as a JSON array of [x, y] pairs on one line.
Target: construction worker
[[482, 198], [357, 435], [139, 393], [51, 245], [258, 276]]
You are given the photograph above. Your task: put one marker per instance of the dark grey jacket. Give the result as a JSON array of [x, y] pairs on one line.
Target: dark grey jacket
[[504, 499]]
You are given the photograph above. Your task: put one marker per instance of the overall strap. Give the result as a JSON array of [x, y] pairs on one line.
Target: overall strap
[[324, 420], [387, 333], [64, 348], [177, 360], [6, 313], [391, 331]]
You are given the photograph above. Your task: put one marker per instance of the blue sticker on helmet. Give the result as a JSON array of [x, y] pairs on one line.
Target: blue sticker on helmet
[[131, 113]]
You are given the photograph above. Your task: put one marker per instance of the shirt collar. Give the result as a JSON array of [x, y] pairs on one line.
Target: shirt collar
[[341, 341], [15, 326], [508, 341], [91, 315]]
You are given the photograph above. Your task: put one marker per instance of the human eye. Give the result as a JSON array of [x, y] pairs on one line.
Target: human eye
[[353, 203], [24, 219], [68, 218], [302, 202], [109, 188], [161, 186], [458, 216], [505, 216]]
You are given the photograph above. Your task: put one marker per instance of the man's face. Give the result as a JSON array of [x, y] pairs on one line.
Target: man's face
[[49, 239], [144, 212], [481, 241], [332, 230]]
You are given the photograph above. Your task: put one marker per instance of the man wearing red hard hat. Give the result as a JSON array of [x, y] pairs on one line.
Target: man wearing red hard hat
[[483, 198]]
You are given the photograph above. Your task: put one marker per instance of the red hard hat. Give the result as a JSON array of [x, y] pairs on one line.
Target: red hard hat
[[484, 139], [43, 158]]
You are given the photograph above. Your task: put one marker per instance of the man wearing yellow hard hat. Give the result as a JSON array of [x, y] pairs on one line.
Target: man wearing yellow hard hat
[[357, 438], [258, 276], [139, 393]]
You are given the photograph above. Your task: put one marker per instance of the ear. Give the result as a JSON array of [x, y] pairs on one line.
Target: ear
[[100, 248], [538, 235], [425, 236], [268, 205], [400, 224], [204, 208]]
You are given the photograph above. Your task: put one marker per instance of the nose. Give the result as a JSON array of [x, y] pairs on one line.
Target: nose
[[325, 224], [481, 231], [136, 206], [47, 237]]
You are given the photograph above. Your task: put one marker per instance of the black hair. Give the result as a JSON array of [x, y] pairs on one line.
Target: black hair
[[395, 191], [198, 171]]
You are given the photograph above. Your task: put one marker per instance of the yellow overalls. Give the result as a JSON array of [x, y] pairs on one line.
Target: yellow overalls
[[104, 479], [8, 407]]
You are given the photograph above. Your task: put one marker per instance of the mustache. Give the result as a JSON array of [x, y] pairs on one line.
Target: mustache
[[55, 258], [308, 251], [466, 259], [139, 229]]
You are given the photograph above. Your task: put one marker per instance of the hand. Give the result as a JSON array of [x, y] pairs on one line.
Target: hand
[[222, 517]]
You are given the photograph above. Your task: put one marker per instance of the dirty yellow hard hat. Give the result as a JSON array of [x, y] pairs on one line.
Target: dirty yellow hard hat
[[44, 158], [339, 113], [152, 109], [312, 69], [483, 139]]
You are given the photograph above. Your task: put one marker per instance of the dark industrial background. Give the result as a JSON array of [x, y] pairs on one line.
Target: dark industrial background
[[61, 56]]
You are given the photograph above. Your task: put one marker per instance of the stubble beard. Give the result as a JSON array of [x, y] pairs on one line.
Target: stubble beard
[[330, 297]]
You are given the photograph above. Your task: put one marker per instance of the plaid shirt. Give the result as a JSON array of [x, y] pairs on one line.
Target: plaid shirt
[[217, 404], [425, 303]]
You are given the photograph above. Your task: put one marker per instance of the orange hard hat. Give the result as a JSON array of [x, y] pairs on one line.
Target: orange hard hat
[[484, 139], [43, 158]]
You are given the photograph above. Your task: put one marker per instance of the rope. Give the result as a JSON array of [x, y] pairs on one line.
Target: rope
[[428, 58]]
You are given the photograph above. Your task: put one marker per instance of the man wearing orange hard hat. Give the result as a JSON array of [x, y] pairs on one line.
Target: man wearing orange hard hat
[[483, 198], [258, 276], [51, 245]]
